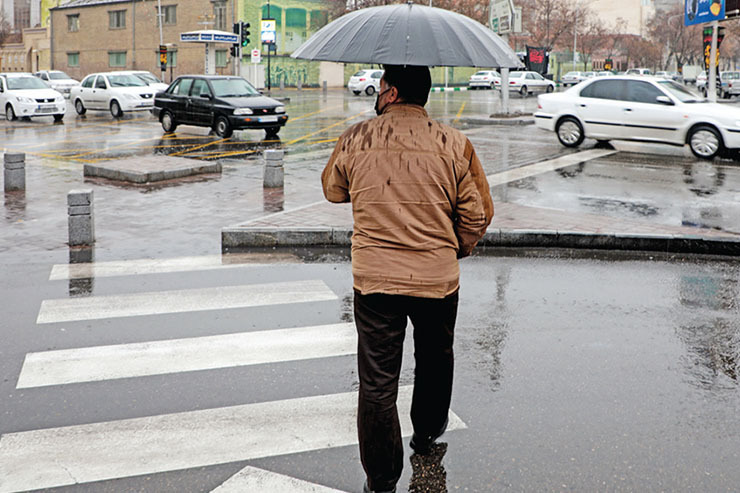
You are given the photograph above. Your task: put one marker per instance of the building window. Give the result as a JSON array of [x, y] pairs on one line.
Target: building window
[[219, 12], [169, 14], [117, 19], [116, 58], [73, 59], [73, 23], [221, 58]]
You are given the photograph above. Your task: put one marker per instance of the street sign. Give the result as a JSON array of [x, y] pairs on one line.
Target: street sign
[[701, 11], [256, 56], [268, 28], [501, 16]]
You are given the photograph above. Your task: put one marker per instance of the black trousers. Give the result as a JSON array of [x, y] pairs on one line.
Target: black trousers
[[381, 326]]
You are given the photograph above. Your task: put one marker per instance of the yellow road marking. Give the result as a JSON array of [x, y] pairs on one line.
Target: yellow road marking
[[459, 113], [225, 154], [326, 128], [186, 151], [315, 113], [325, 141], [106, 149]]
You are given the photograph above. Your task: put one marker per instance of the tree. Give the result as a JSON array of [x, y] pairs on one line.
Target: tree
[[591, 39], [4, 28], [682, 43], [547, 23]]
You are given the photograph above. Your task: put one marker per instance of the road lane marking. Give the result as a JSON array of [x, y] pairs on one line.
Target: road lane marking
[[94, 364], [78, 454], [326, 128], [137, 267], [459, 113], [315, 113], [545, 166], [253, 479], [182, 301], [180, 153]]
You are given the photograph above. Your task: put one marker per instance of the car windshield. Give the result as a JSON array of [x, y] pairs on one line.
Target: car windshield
[[148, 78], [571, 74], [481, 73], [232, 88], [58, 76], [18, 83], [360, 73], [516, 75], [125, 81], [678, 91]]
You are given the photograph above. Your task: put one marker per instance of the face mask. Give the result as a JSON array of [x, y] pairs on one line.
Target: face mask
[[378, 111]]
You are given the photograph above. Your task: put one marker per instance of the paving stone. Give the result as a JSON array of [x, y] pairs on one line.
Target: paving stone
[[146, 169]]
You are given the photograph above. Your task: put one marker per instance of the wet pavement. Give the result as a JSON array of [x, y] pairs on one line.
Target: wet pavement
[[575, 371]]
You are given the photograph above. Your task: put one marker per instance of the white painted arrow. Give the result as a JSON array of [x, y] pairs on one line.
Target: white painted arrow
[[253, 479]]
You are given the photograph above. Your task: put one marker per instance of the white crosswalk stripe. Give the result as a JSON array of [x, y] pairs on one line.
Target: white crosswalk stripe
[[186, 300], [192, 354], [163, 266], [253, 479], [101, 451]]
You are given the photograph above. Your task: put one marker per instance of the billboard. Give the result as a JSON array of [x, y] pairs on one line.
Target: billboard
[[701, 11]]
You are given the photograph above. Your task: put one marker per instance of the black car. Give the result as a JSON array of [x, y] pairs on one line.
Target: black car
[[224, 103]]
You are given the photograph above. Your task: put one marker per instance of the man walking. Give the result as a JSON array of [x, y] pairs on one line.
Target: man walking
[[420, 201]]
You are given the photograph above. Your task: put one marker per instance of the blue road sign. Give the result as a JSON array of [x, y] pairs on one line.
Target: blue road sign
[[701, 11]]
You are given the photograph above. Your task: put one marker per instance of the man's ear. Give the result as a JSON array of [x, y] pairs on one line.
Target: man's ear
[[393, 94]]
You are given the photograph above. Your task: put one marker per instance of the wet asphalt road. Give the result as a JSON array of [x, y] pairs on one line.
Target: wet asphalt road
[[616, 373], [575, 372]]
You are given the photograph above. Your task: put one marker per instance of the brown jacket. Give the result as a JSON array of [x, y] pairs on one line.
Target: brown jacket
[[420, 201]]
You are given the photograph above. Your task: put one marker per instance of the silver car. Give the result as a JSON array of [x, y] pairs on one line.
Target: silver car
[[366, 80], [484, 78], [526, 83], [572, 78]]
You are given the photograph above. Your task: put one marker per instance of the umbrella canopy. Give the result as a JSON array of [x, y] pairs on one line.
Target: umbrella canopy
[[408, 34]]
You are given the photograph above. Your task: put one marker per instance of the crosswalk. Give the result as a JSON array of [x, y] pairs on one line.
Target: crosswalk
[[141, 445]]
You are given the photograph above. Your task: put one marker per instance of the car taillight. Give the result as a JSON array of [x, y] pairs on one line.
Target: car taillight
[[539, 106], [362, 80], [512, 82]]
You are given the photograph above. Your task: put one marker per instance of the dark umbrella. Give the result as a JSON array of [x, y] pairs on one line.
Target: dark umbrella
[[408, 34]]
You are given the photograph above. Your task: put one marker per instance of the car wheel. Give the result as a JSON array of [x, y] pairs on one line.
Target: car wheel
[[79, 107], [9, 113], [223, 127], [58, 118], [115, 109], [705, 142], [370, 90], [272, 131], [491, 85], [703, 92], [357, 93], [550, 88], [168, 122], [570, 132], [523, 91]]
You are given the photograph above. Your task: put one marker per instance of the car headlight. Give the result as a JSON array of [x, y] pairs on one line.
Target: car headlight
[[23, 99], [280, 109], [242, 111]]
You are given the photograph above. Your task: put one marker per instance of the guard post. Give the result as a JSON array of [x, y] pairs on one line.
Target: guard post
[[80, 221], [274, 176], [14, 171]]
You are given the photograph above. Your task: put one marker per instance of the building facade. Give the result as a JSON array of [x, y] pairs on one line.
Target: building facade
[[635, 13], [103, 35]]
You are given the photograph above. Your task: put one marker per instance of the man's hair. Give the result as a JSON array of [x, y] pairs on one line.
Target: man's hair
[[413, 82]]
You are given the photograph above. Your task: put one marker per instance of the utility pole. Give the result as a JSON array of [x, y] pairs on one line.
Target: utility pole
[[575, 37], [162, 66]]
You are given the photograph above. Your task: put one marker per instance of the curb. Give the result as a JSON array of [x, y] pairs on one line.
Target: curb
[[234, 239], [448, 89], [499, 121]]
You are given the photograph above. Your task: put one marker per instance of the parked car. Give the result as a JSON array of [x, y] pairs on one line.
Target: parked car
[[367, 80], [730, 84], [112, 91], [639, 108], [22, 94], [662, 74], [526, 82], [149, 79], [58, 80], [589, 75], [224, 103], [484, 78], [702, 83], [604, 73], [639, 71], [572, 78]]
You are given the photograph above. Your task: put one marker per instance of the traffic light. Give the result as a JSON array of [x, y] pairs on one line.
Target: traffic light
[[234, 51], [245, 34], [236, 29]]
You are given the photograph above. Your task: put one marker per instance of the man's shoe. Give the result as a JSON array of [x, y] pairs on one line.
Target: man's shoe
[[421, 444], [366, 489]]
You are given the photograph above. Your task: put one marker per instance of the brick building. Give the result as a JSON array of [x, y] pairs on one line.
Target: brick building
[[102, 35]]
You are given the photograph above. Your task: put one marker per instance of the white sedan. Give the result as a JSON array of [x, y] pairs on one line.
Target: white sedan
[[639, 108], [367, 80], [117, 93], [525, 83], [484, 78], [23, 94]]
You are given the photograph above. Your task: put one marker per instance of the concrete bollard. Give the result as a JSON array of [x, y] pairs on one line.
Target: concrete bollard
[[15, 171], [299, 85], [324, 86], [81, 222], [274, 173], [282, 83]]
